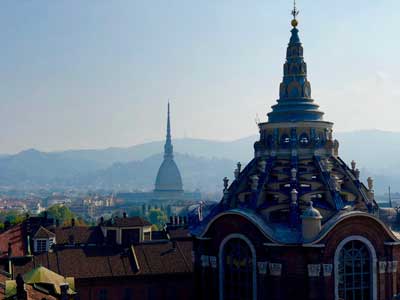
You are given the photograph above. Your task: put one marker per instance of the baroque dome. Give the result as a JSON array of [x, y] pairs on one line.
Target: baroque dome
[[296, 162], [168, 177]]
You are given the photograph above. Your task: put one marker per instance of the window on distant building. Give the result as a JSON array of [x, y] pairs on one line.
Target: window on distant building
[[103, 294], [40, 245], [238, 270], [354, 271]]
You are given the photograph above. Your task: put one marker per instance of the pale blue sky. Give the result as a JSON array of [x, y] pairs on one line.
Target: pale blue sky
[[92, 74]]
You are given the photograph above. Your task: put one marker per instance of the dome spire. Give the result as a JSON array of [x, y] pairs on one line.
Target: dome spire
[[168, 148], [295, 13], [295, 103]]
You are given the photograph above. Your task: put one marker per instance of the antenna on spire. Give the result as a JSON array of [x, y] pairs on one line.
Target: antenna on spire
[[295, 12]]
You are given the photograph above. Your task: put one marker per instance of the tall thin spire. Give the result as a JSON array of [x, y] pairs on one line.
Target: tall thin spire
[[168, 148], [295, 102], [295, 12]]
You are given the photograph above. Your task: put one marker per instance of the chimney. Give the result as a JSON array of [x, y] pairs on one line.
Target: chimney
[[21, 293], [124, 215], [64, 291], [7, 225], [9, 251], [73, 222]]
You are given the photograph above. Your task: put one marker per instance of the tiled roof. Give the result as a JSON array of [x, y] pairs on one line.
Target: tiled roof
[[127, 222], [43, 233], [163, 258], [79, 235], [90, 262], [34, 294], [85, 262], [179, 233], [15, 235]]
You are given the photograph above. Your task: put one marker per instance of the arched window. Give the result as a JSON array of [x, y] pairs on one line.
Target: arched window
[[355, 270], [238, 269]]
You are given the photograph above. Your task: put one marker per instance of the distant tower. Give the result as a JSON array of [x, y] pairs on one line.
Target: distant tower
[[169, 178]]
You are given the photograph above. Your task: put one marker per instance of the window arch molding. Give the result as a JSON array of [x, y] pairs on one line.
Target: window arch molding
[[221, 262], [372, 254]]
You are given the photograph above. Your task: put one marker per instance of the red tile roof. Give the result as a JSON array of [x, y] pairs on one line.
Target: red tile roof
[[34, 294], [15, 235], [89, 262], [79, 235], [82, 262], [163, 258]]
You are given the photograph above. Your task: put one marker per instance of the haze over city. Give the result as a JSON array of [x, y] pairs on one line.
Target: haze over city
[[79, 74]]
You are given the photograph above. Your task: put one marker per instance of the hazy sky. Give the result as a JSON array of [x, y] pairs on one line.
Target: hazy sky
[[90, 74]]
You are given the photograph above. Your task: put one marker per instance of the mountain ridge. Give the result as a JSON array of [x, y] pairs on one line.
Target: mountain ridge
[[375, 151]]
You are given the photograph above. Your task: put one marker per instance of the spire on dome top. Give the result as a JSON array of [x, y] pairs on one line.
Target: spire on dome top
[[295, 13], [168, 148], [295, 102]]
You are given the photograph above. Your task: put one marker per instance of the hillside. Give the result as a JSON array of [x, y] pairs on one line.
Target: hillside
[[202, 162]]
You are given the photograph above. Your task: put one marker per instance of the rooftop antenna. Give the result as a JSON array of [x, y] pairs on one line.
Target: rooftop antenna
[[390, 197]]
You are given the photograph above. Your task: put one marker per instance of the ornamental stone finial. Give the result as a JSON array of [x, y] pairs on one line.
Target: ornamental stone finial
[[336, 148], [236, 173], [370, 182], [357, 173], [353, 165], [226, 183]]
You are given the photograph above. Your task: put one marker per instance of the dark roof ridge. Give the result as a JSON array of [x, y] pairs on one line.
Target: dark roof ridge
[[42, 232]]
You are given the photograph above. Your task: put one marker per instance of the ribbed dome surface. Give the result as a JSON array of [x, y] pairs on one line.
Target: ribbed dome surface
[[168, 177]]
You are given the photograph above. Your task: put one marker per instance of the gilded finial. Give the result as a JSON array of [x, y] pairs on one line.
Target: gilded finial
[[295, 13]]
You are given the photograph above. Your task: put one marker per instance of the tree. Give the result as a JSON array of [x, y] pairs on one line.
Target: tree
[[157, 217], [61, 213]]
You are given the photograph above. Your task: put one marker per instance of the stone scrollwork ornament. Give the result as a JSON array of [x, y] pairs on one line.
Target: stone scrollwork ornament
[[382, 267], [314, 270], [205, 262], [213, 262], [327, 269], [275, 269], [262, 267]]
